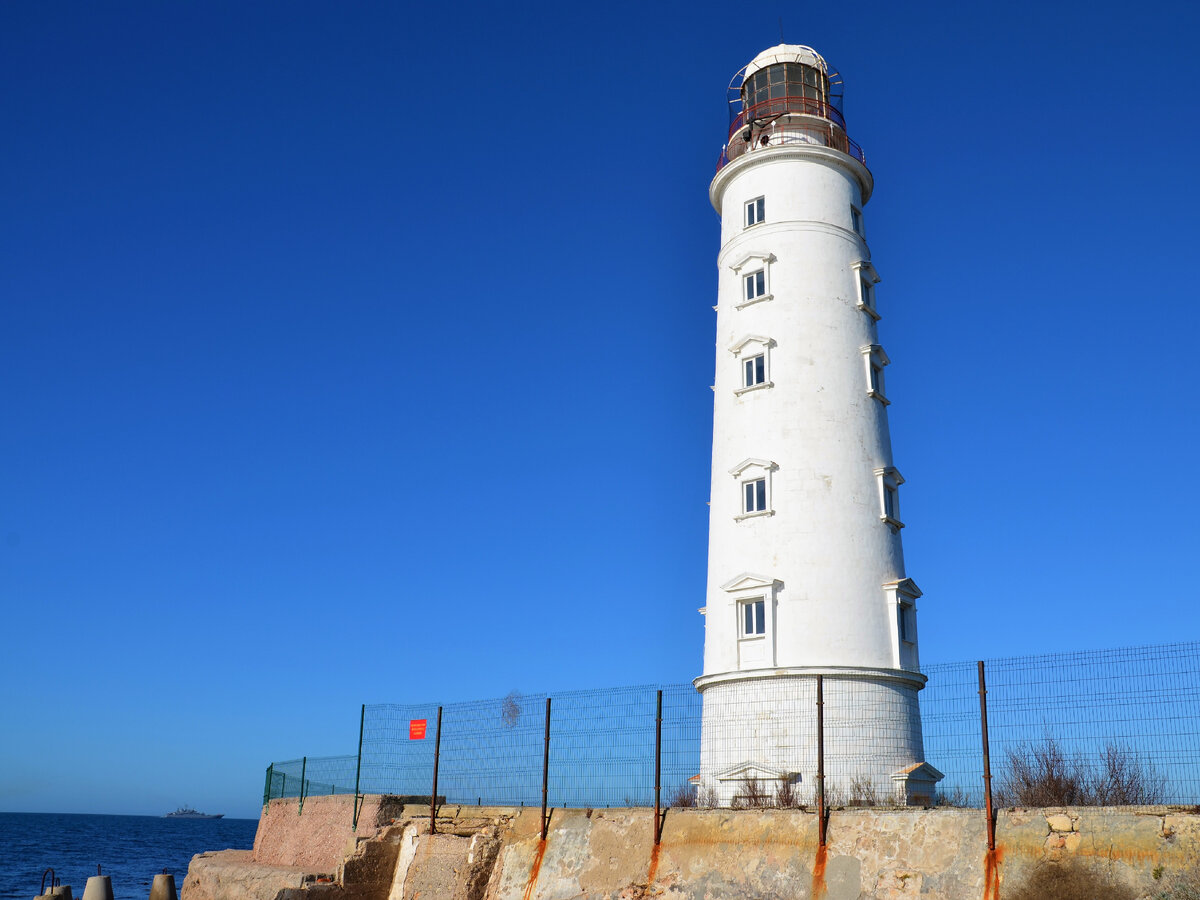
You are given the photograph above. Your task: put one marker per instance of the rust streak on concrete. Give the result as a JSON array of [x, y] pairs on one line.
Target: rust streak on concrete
[[652, 872], [818, 879], [534, 870], [991, 873]]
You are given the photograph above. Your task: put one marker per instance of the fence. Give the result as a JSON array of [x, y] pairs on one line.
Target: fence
[[1065, 716]]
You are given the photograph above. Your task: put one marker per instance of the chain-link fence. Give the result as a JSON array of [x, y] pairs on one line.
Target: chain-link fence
[[1121, 726]]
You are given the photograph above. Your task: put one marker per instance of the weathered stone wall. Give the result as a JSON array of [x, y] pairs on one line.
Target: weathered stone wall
[[497, 854], [322, 834]]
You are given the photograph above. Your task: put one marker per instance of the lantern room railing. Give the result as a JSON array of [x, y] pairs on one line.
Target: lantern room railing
[[769, 109], [781, 134], [777, 122]]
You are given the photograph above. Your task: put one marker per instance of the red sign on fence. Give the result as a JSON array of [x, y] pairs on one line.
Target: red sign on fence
[[416, 729]]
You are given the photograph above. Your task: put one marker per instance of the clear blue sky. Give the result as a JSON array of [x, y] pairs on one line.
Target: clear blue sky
[[361, 352]]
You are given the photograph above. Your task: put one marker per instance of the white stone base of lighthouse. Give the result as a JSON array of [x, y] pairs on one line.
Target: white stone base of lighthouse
[[760, 734]]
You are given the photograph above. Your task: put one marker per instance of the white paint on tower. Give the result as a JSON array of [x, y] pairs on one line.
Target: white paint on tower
[[806, 571]]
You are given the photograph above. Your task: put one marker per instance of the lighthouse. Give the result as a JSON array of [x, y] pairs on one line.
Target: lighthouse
[[805, 566]]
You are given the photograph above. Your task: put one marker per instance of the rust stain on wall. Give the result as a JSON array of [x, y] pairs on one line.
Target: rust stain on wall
[[818, 879], [652, 872], [534, 870], [991, 873]]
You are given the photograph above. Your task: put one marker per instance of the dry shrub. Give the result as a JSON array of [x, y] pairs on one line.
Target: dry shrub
[[683, 796], [1071, 880], [862, 792], [1043, 775], [1183, 884], [753, 794], [786, 795], [956, 798]]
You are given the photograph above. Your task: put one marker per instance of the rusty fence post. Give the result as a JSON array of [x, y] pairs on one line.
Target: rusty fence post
[[437, 752], [987, 762], [822, 813], [303, 770], [362, 719], [546, 769], [658, 817]]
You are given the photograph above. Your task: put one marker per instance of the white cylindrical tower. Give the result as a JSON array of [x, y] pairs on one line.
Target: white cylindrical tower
[[805, 567]]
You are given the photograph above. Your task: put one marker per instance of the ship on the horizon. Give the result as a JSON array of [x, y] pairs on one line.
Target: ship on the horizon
[[186, 812]]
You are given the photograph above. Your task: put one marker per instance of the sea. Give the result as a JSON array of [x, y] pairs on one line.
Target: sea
[[129, 849]]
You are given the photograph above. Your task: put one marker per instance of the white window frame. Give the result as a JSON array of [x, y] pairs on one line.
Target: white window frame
[[906, 626], [757, 607], [875, 360], [751, 588], [754, 285], [889, 479], [754, 470], [902, 595], [856, 222], [755, 212], [754, 496], [750, 265], [867, 279], [752, 346]]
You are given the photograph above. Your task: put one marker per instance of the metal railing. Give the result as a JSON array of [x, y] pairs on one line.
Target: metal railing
[[769, 109], [780, 134]]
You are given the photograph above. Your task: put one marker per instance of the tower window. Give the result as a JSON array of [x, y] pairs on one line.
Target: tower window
[[753, 354], [875, 359], [867, 298], [754, 617], [754, 371], [754, 496], [891, 501], [755, 271], [754, 479], [904, 622], [889, 496], [867, 279], [755, 285], [755, 211], [856, 221]]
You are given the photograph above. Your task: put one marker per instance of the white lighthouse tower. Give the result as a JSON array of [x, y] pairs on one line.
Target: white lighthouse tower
[[805, 567]]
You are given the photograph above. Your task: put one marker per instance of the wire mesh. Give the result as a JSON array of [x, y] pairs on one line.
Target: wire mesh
[[311, 776], [1142, 701], [1139, 704]]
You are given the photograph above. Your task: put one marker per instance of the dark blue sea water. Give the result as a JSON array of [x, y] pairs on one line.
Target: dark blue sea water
[[130, 849]]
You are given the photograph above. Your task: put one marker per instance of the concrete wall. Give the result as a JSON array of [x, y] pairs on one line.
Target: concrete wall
[[497, 854]]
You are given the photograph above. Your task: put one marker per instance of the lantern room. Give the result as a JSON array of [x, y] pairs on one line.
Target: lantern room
[[787, 94]]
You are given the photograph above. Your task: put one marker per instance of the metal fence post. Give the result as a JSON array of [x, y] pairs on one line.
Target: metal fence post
[[987, 762], [362, 718], [267, 788], [821, 811], [437, 752], [546, 769], [658, 770], [303, 769]]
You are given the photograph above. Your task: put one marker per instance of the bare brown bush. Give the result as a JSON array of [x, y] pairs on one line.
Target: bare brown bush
[[862, 792], [786, 795], [683, 796], [753, 794], [1043, 775], [1072, 880], [956, 798]]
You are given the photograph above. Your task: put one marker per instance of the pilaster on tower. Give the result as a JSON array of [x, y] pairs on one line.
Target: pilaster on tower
[[805, 566]]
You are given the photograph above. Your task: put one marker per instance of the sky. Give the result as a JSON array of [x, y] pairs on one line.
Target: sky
[[360, 353]]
